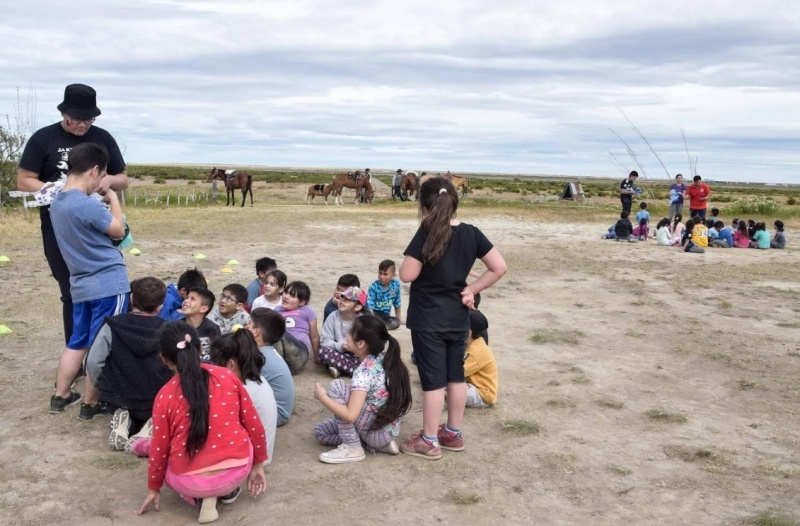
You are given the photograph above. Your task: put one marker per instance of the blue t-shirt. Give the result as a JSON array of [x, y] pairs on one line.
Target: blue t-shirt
[[277, 374], [96, 267], [712, 233], [172, 304], [727, 235], [382, 300], [642, 214]]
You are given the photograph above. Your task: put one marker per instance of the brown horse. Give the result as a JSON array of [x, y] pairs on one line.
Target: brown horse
[[234, 180], [457, 180], [345, 180], [365, 186], [322, 190], [408, 185]]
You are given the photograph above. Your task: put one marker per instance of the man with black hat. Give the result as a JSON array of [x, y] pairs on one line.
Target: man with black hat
[[44, 161], [397, 181]]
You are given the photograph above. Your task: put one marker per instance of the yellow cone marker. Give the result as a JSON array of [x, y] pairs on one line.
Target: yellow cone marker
[[4, 259], [135, 251], [200, 256], [233, 262], [5, 330], [226, 270]]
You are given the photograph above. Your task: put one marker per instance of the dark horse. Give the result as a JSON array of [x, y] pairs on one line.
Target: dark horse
[[234, 180]]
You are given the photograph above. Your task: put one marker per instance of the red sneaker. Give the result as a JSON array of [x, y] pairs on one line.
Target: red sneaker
[[418, 447], [449, 441]]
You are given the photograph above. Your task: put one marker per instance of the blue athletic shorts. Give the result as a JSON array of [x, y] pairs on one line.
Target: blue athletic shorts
[[88, 317]]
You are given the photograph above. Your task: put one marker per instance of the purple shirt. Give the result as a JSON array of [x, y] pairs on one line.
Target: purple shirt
[[298, 322], [680, 188]]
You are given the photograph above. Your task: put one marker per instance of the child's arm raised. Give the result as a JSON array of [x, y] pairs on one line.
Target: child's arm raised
[[349, 413]]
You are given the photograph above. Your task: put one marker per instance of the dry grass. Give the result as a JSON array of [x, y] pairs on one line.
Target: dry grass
[[662, 415], [463, 498], [521, 427], [558, 336]]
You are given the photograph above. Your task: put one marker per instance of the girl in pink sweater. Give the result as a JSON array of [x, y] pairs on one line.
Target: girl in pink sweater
[[207, 437]]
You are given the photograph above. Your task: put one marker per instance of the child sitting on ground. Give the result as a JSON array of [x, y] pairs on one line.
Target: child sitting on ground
[[230, 308], [268, 327], [384, 293], [643, 220], [714, 215], [724, 238], [779, 239], [623, 230], [480, 367], [345, 282], [301, 323], [123, 366], [663, 235], [208, 438], [367, 411], [676, 229], [741, 237], [274, 283], [256, 287], [687, 243], [712, 232], [761, 237], [333, 350], [178, 292], [195, 308], [238, 352]]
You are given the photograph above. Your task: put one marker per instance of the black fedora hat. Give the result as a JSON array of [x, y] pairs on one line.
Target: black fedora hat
[[80, 102]]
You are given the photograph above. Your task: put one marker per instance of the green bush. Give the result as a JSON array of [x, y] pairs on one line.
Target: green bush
[[160, 180], [791, 201], [758, 206]]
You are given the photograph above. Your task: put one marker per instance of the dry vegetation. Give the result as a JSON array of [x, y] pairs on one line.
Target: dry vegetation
[[639, 385]]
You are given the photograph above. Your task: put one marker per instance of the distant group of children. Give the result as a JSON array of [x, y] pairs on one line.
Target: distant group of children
[[697, 234], [199, 384]]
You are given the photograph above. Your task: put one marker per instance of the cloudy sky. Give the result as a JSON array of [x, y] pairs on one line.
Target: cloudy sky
[[518, 86]]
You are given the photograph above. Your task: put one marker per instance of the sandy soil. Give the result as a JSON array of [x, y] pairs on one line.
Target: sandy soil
[[590, 335]]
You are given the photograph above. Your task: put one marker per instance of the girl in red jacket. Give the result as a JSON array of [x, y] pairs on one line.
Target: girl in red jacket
[[207, 437]]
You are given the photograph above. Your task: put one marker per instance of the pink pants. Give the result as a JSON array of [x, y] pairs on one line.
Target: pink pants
[[192, 487]]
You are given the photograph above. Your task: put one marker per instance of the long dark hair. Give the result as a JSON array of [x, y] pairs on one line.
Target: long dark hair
[[241, 347], [372, 330], [180, 345], [662, 223], [678, 219], [438, 202], [743, 228]]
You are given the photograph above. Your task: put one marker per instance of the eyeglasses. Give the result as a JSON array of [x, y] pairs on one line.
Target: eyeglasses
[[81, 121], [228, 298]]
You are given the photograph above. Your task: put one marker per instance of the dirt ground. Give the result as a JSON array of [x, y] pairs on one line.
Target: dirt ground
[[665, 385]]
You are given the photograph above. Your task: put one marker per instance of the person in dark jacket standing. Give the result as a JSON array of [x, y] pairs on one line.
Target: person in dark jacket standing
[[123, 364], [44, 161], [626, 191]]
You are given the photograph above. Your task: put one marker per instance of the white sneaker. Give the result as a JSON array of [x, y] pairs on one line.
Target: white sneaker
[[120, 427], [336, 373], [343, 454], [145, 432], [391, 448]]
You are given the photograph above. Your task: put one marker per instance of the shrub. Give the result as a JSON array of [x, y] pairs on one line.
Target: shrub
[[791, 201], [160, 180]]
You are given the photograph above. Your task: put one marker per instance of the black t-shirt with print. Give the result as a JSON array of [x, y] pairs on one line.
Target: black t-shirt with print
[[626, 184], [48, 149], [435, 299]]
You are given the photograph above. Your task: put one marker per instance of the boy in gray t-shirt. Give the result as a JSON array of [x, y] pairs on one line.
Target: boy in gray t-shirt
[[84, 229]]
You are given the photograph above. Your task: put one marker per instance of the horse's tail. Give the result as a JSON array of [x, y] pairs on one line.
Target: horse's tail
[[250, 182]]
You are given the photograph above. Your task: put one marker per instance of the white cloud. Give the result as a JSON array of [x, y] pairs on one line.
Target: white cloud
[[471, 85]]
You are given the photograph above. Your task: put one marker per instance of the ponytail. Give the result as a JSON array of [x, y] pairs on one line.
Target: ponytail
[[241, 347], [180, 345], [438, 201], [372, 330]]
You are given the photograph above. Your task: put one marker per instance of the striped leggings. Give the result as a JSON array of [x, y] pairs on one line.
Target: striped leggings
[[334, 431]]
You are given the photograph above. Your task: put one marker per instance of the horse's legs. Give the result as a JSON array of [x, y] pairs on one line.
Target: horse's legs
[[250, 189]]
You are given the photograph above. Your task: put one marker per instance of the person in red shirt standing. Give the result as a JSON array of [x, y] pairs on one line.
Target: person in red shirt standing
[[698, 194], [207, 436]]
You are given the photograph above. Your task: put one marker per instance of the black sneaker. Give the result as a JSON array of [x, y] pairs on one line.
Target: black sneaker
[[231, 498], [88, 412], [58, 403]]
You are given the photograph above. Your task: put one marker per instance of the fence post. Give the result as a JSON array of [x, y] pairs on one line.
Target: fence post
[[123, 198], [214, 189], [135, 194], [168, 199]]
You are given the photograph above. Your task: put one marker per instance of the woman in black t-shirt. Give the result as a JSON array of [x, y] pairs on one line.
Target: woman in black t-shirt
[[437, 262]]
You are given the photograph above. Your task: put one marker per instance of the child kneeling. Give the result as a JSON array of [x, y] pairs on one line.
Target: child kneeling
[[207, 437], [369, 409]]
